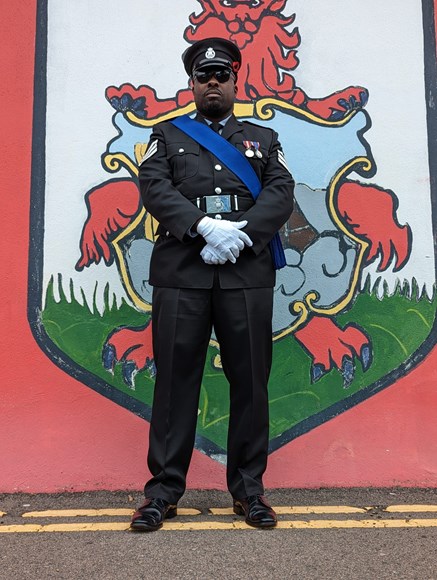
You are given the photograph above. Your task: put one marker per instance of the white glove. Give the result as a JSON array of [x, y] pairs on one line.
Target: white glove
[[212, 256], [224, 236]]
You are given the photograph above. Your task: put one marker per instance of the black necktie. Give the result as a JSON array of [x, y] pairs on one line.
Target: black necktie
[[217, 127]]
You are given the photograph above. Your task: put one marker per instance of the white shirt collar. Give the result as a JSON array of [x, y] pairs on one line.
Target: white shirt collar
[[222, 122]]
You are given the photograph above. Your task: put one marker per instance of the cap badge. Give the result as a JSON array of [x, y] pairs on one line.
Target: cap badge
[[210, 53]]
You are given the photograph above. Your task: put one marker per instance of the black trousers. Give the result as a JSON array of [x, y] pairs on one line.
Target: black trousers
[[182, 323]]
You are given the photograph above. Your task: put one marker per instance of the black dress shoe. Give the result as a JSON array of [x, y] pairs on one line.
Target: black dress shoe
[[151, 515], [257, 510]]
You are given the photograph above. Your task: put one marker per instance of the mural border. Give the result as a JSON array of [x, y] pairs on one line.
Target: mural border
[[36, 246]]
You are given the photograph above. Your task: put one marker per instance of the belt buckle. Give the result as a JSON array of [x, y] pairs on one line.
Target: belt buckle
[[218, 203]]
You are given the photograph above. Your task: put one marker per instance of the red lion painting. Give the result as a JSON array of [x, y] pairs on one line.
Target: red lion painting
[[269, 55]]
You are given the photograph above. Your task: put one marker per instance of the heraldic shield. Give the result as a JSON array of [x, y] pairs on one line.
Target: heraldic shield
[[355, 304]]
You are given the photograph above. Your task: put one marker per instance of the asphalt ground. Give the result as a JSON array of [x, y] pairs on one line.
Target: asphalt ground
[[322, 534]]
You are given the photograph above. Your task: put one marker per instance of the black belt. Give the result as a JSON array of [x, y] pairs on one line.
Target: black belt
[[225, 203]]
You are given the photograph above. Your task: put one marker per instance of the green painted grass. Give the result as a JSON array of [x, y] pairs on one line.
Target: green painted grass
[[397, 326]]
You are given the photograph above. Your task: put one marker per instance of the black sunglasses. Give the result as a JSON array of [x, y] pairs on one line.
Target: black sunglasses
[[222, 75]]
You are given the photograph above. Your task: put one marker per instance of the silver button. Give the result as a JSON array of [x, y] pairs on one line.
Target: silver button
[[181, 150], [167, 234], [218, 190], [218, 167], [218, 217]]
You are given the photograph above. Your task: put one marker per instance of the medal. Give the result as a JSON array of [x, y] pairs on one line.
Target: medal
[[255, 145], [252, 149], [248, 152]]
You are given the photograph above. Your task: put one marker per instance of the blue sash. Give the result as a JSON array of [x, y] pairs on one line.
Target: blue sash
[[236, 162]]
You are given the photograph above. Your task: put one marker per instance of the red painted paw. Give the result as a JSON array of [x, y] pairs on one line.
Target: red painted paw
[[111, 207], [143, 101], [371, 213], [331, 346], [132, 348], [336, 106]]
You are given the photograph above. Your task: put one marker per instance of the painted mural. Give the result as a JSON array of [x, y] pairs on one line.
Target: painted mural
[[355, 305]]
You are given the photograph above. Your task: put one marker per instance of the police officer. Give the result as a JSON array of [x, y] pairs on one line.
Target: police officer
[[211, 266]]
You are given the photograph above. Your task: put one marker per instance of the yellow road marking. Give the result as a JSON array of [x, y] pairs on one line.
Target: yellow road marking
[[97, 513], [338, 524], [77, 527], [310, 524], [235, 525], [303, 509], [280, 510], [411, 508], [226, 525]]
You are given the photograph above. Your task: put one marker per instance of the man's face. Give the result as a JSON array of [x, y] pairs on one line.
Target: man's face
[[214, 99]]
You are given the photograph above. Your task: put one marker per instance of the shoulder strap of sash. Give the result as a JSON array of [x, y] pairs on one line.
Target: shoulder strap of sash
[[236, 162], [222, 149]]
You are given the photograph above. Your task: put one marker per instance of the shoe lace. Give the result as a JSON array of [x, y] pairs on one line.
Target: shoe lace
[[158, 502], [251, 499]]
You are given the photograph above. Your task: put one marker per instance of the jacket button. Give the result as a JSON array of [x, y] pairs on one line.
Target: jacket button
[[218, 190], [181, 150], [218, 167], [218, 217]]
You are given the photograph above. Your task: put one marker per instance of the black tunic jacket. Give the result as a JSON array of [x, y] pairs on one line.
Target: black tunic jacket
[[177, 171]]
